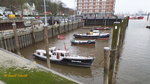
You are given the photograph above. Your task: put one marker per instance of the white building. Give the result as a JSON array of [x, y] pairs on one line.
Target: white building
[[5, 11], [29, 9], [2, 9]]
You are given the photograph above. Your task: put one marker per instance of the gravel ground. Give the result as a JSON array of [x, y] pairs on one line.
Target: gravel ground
[[1, 82], [9, 61]]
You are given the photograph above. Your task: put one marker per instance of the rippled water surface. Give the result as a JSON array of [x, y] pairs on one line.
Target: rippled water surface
[[134, 65]]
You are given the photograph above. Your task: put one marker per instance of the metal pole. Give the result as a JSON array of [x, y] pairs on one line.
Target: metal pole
[[45, 13]]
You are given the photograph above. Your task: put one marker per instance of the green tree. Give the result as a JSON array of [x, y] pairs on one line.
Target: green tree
[[14, 5]]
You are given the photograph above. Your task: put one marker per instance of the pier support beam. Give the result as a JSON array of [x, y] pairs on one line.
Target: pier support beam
[[16, 38]]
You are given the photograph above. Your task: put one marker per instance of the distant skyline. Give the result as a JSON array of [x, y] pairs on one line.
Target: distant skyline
[[122, 6]]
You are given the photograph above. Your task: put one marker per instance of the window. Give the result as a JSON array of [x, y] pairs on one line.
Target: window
[[38, 53], [54, 53], [62, 54], [90, 0], [90, 11], [90, 7], [97, 3], [80, 1], [67, 54], [44, 54], [96, 10]]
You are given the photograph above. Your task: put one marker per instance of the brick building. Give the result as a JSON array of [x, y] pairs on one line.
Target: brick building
[[95, 8]]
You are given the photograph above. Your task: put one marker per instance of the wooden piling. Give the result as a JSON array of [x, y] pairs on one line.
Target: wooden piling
[[8, 43], [112, 66], [68, 26], [16, 38], [2, 40], [148, 16], [106, 64], [115, 43], [46, 45], [52, 32], [123, 26], [58, 29], [24, 39], [12, 44], [33, 34]]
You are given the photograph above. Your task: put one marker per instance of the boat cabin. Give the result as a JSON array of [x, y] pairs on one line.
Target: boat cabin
[[55, 54], [61, 53]]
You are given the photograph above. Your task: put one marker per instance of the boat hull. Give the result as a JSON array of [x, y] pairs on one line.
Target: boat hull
[[71, 62], [83, 43], [91, 37], [102, 28], [148, 27]]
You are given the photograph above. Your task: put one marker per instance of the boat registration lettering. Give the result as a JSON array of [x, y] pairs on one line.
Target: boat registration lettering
[[75, 61]]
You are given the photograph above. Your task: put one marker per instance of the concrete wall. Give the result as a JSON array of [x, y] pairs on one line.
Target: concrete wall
[[6, 25], [30, 36], [100, 22]]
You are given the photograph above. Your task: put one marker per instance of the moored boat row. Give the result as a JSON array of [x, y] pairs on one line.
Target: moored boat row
[[64, 57]]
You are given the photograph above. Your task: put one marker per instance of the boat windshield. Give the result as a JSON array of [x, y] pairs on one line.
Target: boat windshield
[[67, 54]]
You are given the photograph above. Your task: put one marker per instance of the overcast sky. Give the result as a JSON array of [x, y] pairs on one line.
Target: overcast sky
[[122, 6]]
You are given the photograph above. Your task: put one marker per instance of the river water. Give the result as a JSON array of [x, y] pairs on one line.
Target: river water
[[134, 64]]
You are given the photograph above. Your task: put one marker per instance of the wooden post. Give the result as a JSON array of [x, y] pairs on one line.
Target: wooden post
[[46, 45], [52, 31], [72, 25], [2, 40], [58, 28], [148, 16], [33, 35], [106, 64], [123, 24], [16, 39], [112, 66], [115, 35], [68, 26], [64, 27], [115, 43]]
